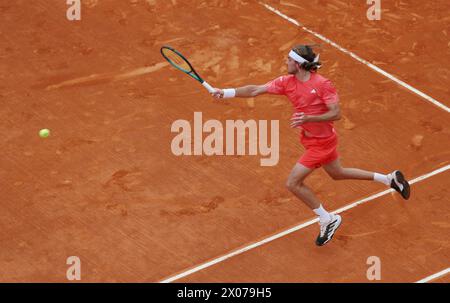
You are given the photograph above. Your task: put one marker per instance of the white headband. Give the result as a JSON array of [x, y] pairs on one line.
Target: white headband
[[299, 58]]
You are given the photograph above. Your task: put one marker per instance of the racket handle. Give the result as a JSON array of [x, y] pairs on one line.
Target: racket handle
[[208, 87]]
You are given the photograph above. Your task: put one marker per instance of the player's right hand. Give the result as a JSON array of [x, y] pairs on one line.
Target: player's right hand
[[218, 93]]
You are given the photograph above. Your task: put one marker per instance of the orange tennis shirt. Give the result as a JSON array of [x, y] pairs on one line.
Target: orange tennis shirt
[[310, 97]]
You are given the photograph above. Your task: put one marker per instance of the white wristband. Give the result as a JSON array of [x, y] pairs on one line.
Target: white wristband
[[229, 93]]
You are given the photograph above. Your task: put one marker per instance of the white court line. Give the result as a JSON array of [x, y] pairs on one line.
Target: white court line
[[435, 276], [291, 230], [365, 62]]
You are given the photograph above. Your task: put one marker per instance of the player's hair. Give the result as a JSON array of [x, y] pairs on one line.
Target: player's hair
[[306, 51]]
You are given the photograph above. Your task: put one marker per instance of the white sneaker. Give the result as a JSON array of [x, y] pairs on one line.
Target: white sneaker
[[399, 183], [327, 229]]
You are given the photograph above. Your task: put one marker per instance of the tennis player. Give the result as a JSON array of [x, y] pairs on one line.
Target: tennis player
[[316, 106]]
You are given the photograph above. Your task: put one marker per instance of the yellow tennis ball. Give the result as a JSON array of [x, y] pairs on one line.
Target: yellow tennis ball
[[44, 133]]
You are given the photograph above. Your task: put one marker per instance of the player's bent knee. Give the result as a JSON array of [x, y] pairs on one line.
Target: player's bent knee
[[291, 184]]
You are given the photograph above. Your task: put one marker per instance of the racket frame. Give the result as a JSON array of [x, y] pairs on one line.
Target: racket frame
[[193, 73]]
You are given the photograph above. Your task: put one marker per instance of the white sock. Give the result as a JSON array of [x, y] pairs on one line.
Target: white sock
[[322, 213], [381, 178]]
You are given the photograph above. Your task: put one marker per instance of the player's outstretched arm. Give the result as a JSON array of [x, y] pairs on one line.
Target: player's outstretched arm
[[241, 92]]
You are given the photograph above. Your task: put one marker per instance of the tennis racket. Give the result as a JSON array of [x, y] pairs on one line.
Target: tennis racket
[[176, 59]]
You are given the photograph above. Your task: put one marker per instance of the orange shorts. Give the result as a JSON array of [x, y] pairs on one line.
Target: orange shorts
[[319, 151]]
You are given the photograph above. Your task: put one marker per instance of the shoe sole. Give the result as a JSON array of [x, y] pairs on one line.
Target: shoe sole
[[335, 229], [401, 179]]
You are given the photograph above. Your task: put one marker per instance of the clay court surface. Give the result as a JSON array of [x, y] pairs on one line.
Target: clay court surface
[[106, 187]]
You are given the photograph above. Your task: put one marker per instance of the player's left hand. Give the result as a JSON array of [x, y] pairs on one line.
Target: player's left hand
[[298, 119]]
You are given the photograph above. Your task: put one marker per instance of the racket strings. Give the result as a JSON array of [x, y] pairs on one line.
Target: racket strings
[[176, 59]]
